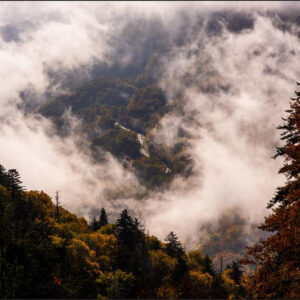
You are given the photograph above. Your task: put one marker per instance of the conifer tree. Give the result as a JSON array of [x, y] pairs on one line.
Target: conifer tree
[[236, 272], [174, 247], [125, 229], [208, 266], [103, 218], [278, 257], [95, 224]]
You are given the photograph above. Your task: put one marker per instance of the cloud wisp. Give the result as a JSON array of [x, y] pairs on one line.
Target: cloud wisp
[[233, 90], [230, 77]]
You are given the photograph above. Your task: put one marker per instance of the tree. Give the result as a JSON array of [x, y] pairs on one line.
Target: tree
[[95, 224], [278, 257], [125, 230], [103, 218], [116, 284], [6, 236], [57, 204], [208, 266], [129, 238], [235, 272], [132, 254], [175, 249], [232, 277], [43, 255]]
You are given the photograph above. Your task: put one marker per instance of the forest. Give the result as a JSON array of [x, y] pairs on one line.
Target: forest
[[150, 150], [48, 252]]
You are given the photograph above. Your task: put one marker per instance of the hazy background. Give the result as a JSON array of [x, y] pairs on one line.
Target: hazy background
[[229, 69]]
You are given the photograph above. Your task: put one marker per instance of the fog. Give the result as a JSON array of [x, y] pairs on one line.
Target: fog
[[238, 88], [230, 68]]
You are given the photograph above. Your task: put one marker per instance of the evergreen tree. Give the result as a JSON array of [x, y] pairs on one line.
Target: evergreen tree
[[129, 237], [3, 176], [95, 224], [173, 247], [125, 229], [132, 253], [103, 218], [278, 257], [208, 266], [7, 233], [236, 272]]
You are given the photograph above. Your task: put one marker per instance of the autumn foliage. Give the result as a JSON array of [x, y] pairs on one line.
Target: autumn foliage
[[278, 257], [48, 252], [45, 254]]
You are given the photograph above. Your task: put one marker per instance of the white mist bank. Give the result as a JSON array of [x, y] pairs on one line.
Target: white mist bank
[[238, 87]]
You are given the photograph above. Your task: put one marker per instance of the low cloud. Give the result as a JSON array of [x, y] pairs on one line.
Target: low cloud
[[233, 90], [51, 163], [230, 83]]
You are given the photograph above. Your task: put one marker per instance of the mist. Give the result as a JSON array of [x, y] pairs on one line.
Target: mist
[[230, 68], [235, 95]]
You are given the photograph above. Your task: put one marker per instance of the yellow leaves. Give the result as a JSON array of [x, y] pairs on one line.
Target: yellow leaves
[[80, 255], [78, 248], [104, 246], [78, 225], [107, 229], [162, 264], [200, 280], [232, 288], [227, 279], [40, 202], [57, 241], [3, 191], [195, 260], [66, 216]]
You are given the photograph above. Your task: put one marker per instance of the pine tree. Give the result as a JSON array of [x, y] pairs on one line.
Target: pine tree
[[132, 254], [95, 224], [208, 266], [236, 272], [103, 218], [173, 247], [129, 237], [125, 229], [278, 257]]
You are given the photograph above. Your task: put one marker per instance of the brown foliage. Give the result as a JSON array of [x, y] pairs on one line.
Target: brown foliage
[[278, 258]]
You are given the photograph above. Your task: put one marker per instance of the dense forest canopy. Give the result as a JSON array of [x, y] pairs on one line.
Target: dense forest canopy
[[48, 252], [143, 135]]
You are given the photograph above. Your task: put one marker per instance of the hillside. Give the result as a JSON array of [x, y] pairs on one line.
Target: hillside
[[119, 115], [48, 252], [150, 150]]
